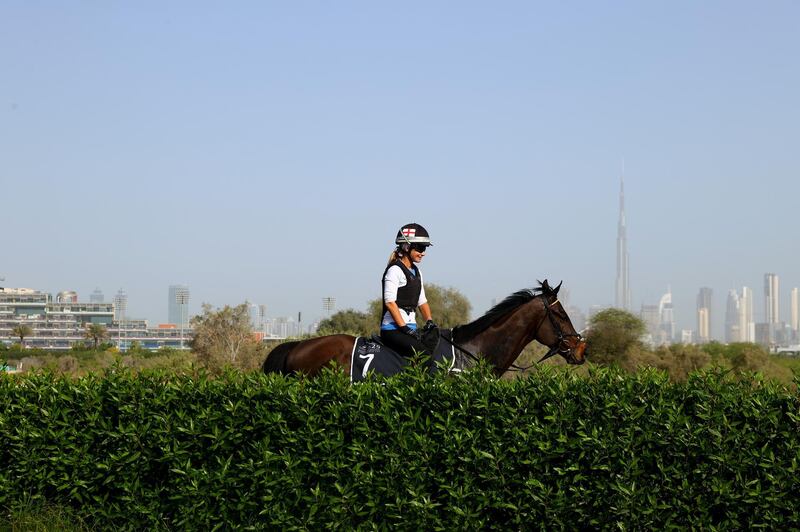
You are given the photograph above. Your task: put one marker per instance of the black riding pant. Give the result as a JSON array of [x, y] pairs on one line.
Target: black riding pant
[[403, 343]]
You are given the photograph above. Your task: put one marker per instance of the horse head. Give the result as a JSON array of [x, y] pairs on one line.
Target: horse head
[[556, 330]]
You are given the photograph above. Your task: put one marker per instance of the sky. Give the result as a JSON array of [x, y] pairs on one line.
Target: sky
[[270, 151]]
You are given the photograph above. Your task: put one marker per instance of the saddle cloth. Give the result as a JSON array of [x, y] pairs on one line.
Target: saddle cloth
[[370, 355]]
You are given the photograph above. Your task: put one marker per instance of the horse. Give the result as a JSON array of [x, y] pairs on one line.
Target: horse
[[499, 336]]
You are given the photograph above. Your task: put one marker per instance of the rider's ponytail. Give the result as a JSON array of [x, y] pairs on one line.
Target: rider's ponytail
[[395, 256]]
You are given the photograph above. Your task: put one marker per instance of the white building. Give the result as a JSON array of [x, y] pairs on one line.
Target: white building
[[747, 326]]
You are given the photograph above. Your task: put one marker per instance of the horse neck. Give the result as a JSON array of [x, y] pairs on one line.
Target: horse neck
[[502, 342]]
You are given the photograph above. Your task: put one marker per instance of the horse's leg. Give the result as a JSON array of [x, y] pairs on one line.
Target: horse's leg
[[310, 356]]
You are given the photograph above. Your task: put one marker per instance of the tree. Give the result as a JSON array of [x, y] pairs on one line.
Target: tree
[[349, 322], [225, 337], [22, 331], [96, 332], [748, 357], [448, 306], [612, 334], [679, 360]]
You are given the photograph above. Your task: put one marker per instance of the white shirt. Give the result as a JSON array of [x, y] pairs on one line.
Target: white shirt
[[392, 281]]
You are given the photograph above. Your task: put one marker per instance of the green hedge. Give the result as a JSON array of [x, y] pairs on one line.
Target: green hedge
[[413, 452]]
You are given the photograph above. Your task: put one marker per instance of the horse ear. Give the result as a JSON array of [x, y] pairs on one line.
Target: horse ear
[[557, 288], [545, 286]]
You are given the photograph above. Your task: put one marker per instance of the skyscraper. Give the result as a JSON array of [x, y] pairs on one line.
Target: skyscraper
[[120, 305], [97, 296], [667, 319], [771, 304], [704, 315], [771, 300], [178, 305], [652, 321], [732, 333], [623, 296], [747, 327], [795, 313]]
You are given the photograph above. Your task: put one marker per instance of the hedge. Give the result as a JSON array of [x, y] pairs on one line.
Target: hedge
[[555, 450]]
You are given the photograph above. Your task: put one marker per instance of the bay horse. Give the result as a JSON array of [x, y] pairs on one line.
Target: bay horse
[[499, 336]]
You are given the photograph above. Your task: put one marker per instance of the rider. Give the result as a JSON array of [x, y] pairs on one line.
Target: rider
[[403, 292]]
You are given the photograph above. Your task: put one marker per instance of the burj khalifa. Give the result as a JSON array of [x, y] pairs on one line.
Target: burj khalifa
[[623, 296]]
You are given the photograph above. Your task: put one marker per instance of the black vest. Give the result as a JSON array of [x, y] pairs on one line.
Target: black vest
[[408, 295]]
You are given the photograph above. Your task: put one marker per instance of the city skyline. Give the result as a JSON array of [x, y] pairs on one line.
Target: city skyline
[[269, 153], [659, 319]]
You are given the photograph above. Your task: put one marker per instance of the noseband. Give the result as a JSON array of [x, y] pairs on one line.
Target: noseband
[[561, 347]]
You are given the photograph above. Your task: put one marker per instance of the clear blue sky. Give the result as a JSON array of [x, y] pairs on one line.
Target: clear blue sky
[[269, 151]]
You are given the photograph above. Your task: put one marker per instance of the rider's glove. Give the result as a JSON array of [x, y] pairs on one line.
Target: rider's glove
[[429, 325], [409, 331]]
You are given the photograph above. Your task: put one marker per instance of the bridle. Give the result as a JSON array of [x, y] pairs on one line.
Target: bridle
[[561, 347]]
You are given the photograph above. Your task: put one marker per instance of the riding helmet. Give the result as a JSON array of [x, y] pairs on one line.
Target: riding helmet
[[413, 234]]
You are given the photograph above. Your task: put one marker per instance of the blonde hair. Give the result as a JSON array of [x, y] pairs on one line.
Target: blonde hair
[[396, 254]]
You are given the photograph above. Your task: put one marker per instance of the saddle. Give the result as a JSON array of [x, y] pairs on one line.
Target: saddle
[[371, 355]]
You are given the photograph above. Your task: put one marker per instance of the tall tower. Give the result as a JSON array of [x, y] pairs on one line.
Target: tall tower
[[178, 305], [97, 296], [795, 312], [120, 305], [666, 318], [732, 333], [704, 315], [771, 303], [623, 296], [747, 328]]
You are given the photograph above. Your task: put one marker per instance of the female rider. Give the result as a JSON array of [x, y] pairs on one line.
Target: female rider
[[403, 292]]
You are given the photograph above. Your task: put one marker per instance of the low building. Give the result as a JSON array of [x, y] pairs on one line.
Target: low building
[[57, 326]]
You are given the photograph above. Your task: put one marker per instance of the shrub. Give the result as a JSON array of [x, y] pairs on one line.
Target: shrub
[[414, 452]]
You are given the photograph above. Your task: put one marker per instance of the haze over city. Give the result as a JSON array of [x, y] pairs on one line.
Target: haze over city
[[270, 152]]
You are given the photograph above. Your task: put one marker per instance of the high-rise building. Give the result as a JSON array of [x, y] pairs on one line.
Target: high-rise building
[[795, 313], [97, 296], [771, 299], [747, 327], [254, 313], [771, 304], [120, 305], [732, 333], [178, 305], [652, 321], [704, 315], [623, 293], [666, 320]]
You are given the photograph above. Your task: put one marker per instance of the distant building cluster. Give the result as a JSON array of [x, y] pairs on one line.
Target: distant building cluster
[[740, 324], [277, 328], [59, 323]]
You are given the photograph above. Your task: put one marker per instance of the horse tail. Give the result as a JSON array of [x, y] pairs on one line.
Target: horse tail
[[276, 360]]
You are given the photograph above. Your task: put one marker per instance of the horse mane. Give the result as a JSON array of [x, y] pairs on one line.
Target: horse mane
[[509, 304]]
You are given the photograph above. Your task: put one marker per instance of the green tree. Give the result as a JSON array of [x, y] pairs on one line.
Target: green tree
[[224, 337], [22, 331], [448, 306], [349, 322], [612, 334], [95, 332], [680, 360], [748, 357]]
